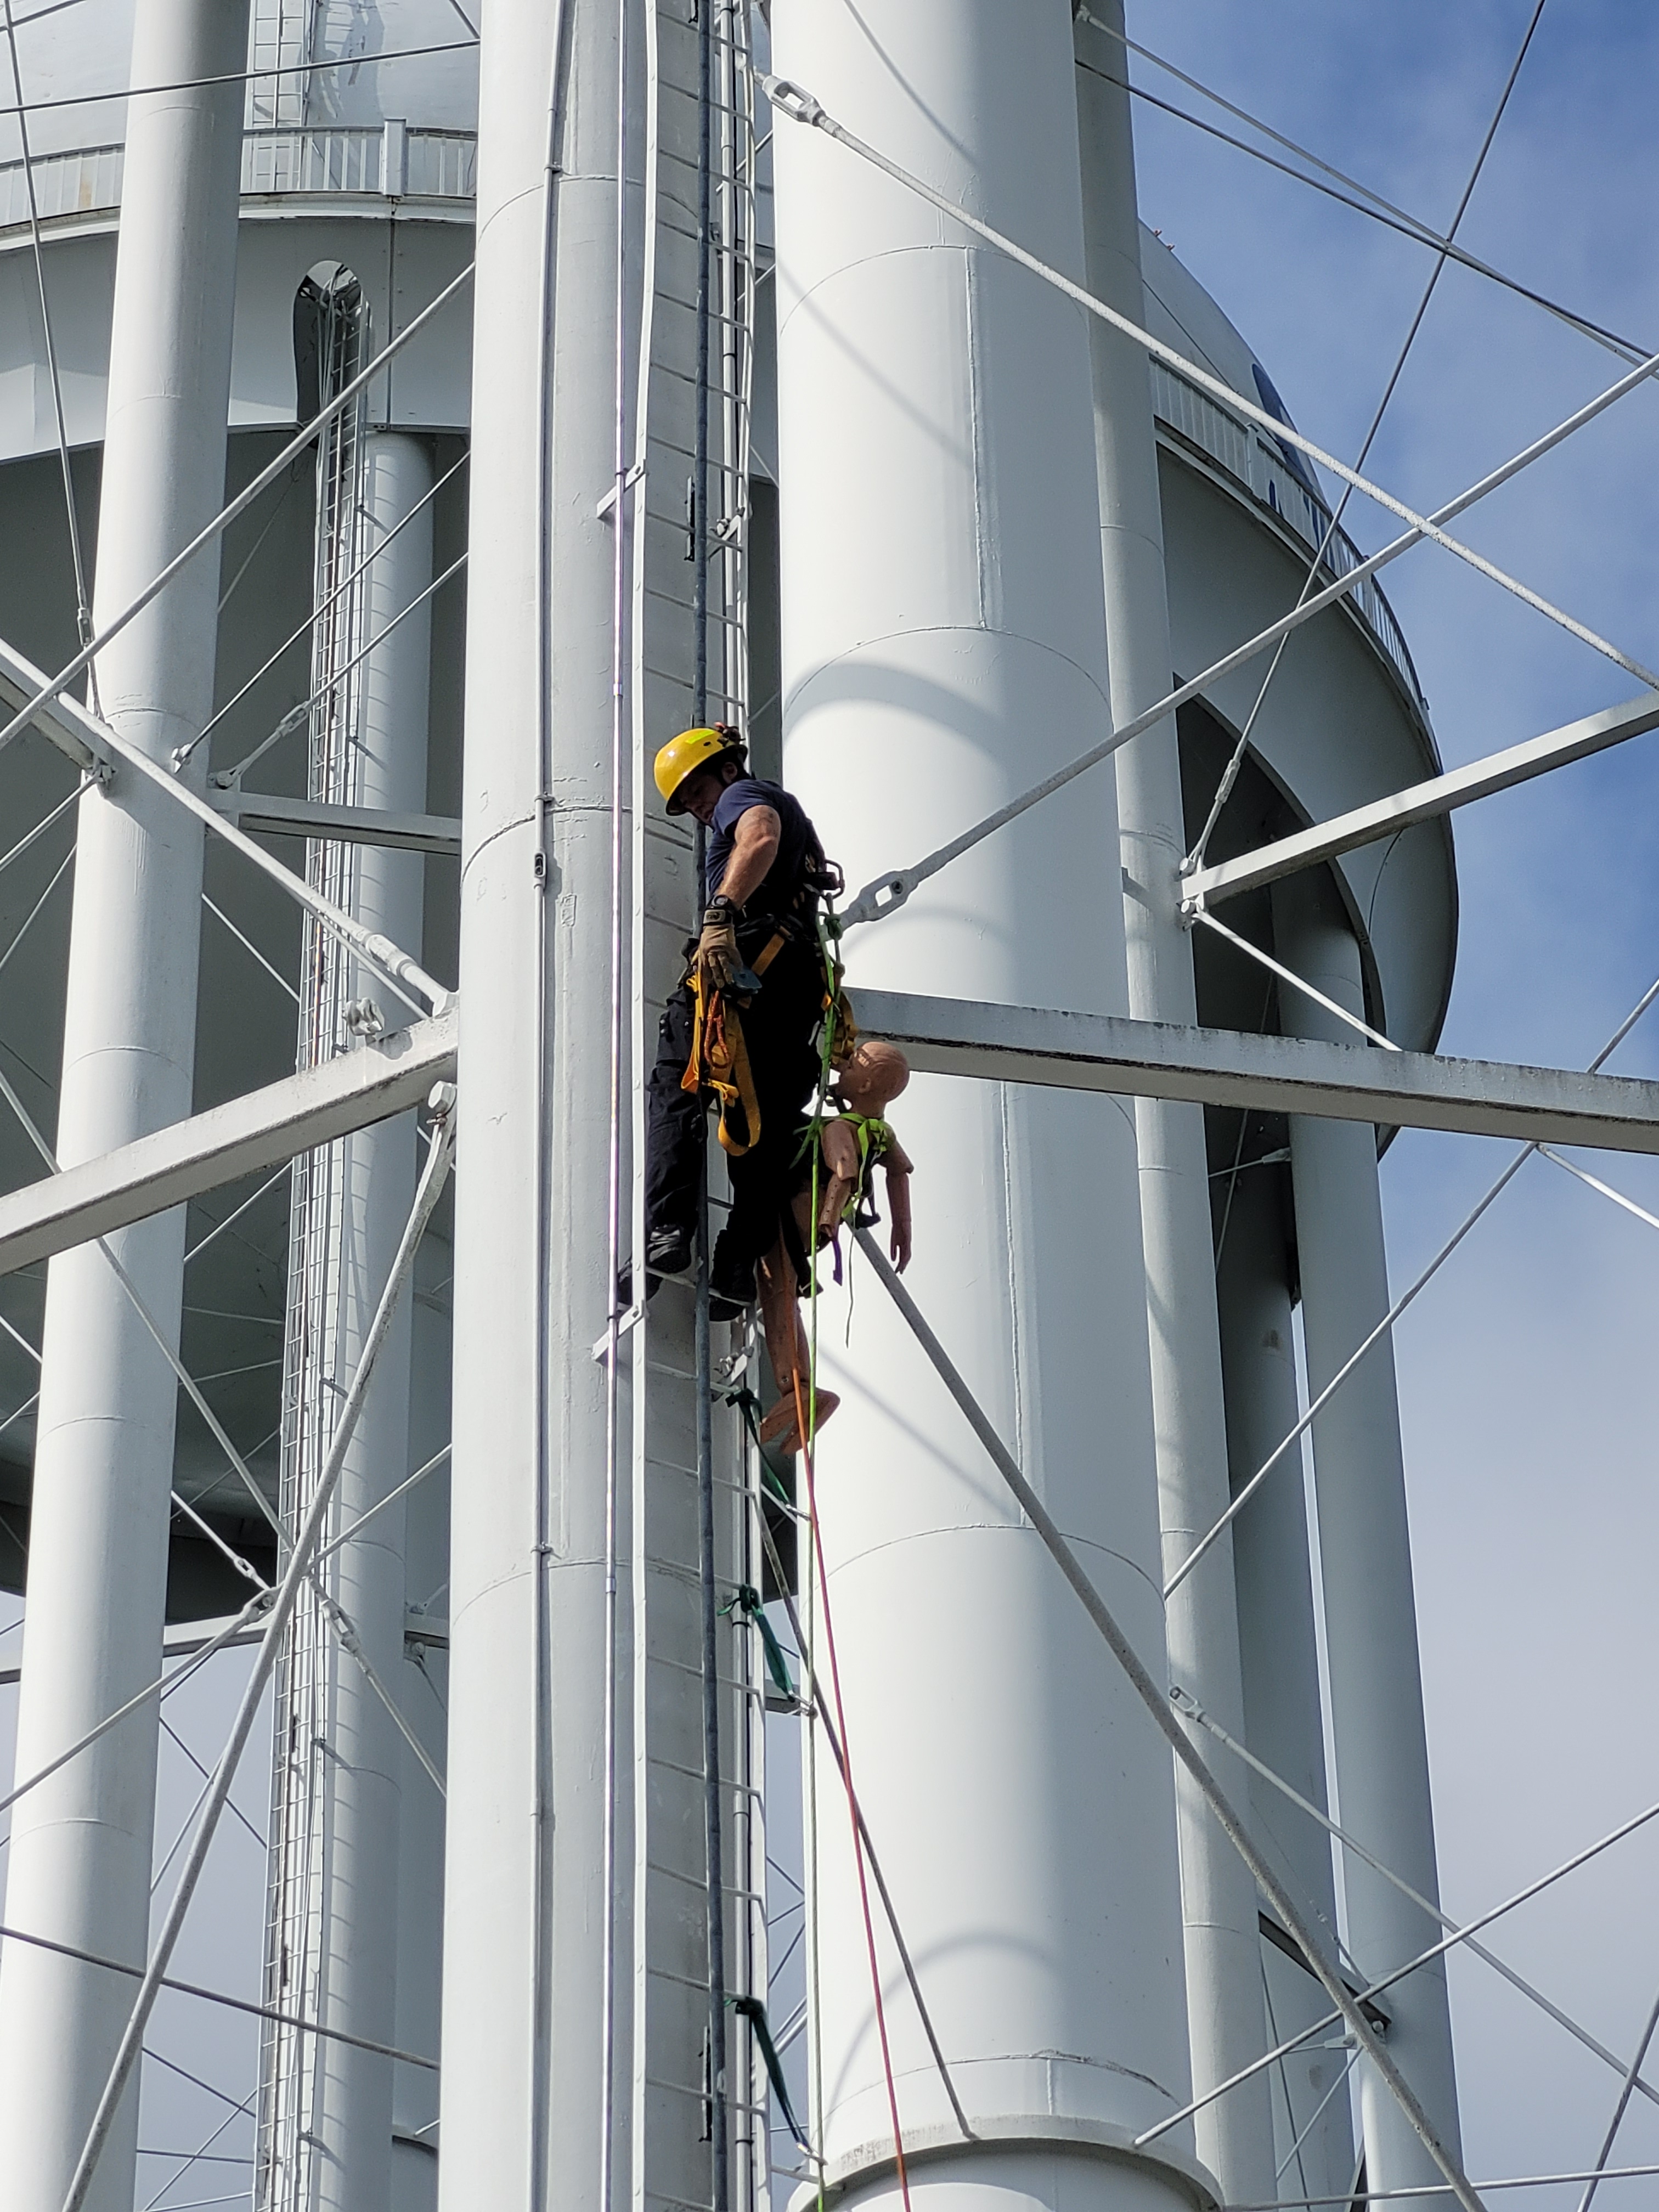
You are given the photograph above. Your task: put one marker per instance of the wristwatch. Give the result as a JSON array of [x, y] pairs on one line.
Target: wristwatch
[[722, 909]]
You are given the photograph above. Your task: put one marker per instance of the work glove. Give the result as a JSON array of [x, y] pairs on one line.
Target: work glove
[[716, 957]]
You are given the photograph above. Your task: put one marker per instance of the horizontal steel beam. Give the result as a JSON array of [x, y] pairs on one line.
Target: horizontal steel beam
[[65, 721], [1269, 1074], [242, 1138], [1420, 802], [258, 811], [184, 1639]]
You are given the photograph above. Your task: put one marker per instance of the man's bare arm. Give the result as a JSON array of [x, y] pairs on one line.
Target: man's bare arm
[[754, 848]]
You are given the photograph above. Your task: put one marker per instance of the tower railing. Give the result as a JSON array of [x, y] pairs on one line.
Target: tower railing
[[391, 160], [1252, 459]]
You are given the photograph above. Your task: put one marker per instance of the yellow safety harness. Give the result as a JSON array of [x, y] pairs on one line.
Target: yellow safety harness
[[719, 1060]]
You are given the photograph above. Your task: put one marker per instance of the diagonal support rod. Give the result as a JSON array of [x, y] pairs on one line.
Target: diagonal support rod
[[432, 1178], [1174, 1734], [798, 106], [1423, 802]]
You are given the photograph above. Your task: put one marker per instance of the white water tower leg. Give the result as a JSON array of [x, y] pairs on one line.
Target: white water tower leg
[[1370, 1612], [1219, 1901], [943, 643], [1280, 1656], [352, 2159], [525, 1908], [80, 1845]]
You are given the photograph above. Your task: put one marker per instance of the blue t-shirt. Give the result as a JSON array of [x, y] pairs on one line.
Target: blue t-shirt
[[796, 839]]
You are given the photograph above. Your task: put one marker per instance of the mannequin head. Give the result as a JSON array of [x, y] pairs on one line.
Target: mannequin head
[[872, 1077]]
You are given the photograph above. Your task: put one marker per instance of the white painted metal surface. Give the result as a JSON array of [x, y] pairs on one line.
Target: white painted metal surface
[[1281, 1659], [327, 2118], [525, 1908], [1421, 802], [259, 1130], [1273, 1074], [1225, 2022], [1375, 1682], [81, 1845], [943, 641]]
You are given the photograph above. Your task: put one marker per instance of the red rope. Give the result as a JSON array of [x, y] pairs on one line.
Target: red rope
[[851, 1801]]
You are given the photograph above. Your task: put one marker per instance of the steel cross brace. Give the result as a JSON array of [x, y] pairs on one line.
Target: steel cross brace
[[1268, 1074]]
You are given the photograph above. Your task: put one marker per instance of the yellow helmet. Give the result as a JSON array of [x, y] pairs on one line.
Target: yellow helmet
[[684, 755]]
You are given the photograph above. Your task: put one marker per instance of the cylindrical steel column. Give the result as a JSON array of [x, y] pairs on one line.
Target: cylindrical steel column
[[1281, 1656], [79, 1855], [1364, 1546], [352, 2156], [1218, 1896], [526, 1910], [943, 643]]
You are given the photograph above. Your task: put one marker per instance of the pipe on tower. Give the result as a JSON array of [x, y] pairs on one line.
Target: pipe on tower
[[1225, 2019], [1375, 1676], [525, 1910], [351, 2158], [944, 642], [80, 1846]]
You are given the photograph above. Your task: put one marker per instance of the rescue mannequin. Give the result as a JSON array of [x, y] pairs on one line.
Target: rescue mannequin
[[853, 1142]]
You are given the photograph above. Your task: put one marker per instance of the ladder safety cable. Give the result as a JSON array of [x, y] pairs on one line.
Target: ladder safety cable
[[1349, 2007]]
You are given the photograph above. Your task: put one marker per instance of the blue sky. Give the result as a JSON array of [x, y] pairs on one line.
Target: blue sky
[[1525, 1368]]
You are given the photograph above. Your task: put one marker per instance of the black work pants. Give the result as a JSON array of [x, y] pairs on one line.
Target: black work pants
[[778, 1026]]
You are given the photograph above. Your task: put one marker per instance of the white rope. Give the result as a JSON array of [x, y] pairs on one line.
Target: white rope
[[1353, 2197], [163, 1687], [392, 1496], [57, 875], [1619, 2109], [270, 1183], [351, 1642], [243, 501], [45, 823], [1423, 1959], [1341, 2082]]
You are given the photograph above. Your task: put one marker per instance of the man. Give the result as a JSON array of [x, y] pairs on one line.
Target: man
[[763, 872]]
